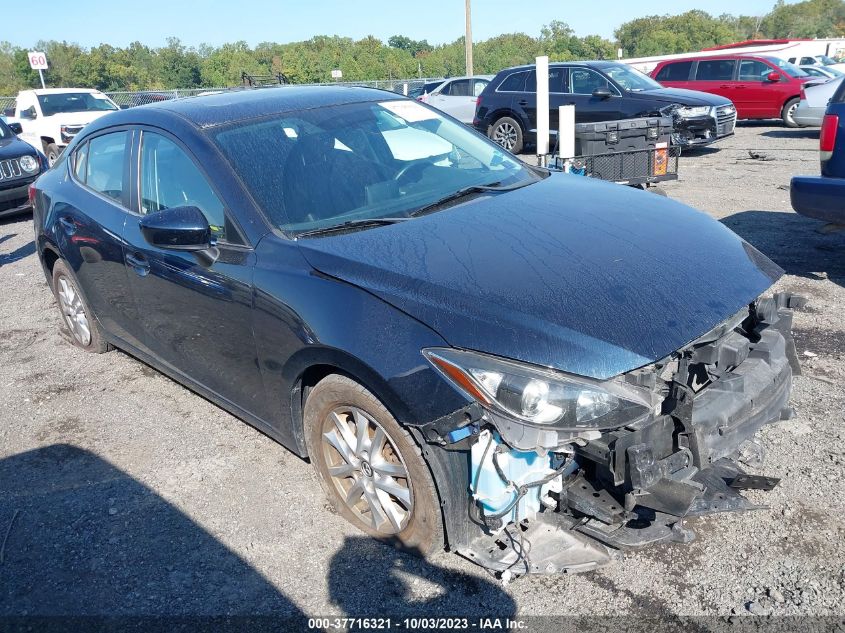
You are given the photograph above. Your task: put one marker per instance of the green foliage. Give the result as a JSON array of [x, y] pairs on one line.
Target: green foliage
[[140, 67], [694, 30]]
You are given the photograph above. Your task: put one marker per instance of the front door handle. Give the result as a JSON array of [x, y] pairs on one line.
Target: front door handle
[[138, 263], [68, 226], [524, 102]]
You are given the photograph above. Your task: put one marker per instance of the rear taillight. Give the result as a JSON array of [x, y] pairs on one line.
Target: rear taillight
[[478, 102], [31, 192], [803, 94], [827, 137]]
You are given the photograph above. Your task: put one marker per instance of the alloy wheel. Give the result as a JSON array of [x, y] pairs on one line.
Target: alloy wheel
[[505, 135], [74, 312], [367, 470]]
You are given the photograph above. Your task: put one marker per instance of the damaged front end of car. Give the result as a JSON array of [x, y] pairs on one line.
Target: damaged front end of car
[[700, 125], [547, 472]]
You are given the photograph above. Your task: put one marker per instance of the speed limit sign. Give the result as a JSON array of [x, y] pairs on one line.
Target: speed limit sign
[[37, 60]]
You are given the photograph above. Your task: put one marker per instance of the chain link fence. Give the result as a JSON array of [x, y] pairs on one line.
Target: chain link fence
[[127, 99]]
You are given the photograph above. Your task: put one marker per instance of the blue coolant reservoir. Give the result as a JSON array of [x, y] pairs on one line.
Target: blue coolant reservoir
[[519, 467]]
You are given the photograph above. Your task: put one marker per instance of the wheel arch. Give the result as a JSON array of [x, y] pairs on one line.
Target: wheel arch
[[307, 368], [508, 112]]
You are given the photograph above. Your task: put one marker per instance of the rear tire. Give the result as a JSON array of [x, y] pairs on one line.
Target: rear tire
[[52, 151], [370, 467], [788, 112], [77, 318], [507, 133]]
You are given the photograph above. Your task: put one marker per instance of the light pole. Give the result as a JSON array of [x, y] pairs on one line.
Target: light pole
[[468, 40]]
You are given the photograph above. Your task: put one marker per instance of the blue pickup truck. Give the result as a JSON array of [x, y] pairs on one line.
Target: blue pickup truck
[[823, 197]]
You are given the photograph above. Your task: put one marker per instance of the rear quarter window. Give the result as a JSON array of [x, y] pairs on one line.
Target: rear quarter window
[[515, 82], [715, 70], [677, 71]]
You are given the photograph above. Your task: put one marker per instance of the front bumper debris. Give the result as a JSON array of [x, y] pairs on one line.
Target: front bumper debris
[[634, 486]]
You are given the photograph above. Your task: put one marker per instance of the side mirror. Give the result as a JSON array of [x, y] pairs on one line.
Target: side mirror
[[178, 229], [124, 106], [29, 113], [602, 93], [15, 127], [773, 76]]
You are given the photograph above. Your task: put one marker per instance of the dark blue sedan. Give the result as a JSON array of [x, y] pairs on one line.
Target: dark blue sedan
[[823, 197], [532, 368]]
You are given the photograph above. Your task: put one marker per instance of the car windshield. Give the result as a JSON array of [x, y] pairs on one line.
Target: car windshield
[[790, 69], [5, 132], [630, 78], [322, 167], [824, 59], [61, 102]]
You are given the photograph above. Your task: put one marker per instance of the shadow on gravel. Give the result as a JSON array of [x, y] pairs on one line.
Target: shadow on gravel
[[370, 578], [4, 238], [803, 132], [793, 242], [19, 253], [92, 547]]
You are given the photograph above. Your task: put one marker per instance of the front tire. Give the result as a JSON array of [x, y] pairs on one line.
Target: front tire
[[77, 317], [370, 467], [507, 132], [788, 112]]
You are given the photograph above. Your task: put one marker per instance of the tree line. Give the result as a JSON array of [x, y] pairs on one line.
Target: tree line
[[141, 67]]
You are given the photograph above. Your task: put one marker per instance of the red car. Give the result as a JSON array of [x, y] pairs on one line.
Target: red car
[[761, 87]]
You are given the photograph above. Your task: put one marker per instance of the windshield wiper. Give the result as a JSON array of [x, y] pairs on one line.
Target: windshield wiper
[[350, 224], [462, 193]]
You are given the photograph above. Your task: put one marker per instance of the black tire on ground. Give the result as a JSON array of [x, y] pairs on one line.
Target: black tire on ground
[[507, 132], [422, 529], [65, 283], [788, 111], [52, 151]]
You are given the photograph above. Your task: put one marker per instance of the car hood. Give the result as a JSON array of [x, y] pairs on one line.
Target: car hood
[[14, 147], [77, 118], [584, 276], [683, 96]]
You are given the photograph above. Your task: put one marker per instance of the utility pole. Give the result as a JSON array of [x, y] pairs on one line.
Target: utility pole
[[469, 38]]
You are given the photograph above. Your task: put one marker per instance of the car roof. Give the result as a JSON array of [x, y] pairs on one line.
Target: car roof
[[216, 109], [595, 63], [211, 110], [704, 58], [53, 91], [468, 77]]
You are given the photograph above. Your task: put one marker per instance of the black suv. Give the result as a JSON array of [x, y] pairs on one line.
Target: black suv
[[600, 91], [20, 165]]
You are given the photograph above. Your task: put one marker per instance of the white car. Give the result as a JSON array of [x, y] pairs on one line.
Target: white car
[[816, 60], [458, 96], [814, 98], [822, 72], [51, 117]]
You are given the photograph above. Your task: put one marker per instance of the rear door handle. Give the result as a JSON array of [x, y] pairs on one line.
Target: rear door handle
[[138, 263], [524, 102], [68, 226]]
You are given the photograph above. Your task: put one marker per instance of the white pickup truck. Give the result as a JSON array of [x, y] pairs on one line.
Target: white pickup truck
[[51, 117]]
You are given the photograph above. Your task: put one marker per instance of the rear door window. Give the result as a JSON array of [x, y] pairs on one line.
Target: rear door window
[[677, 71], [104, 167], [715, 70], [458, 88]]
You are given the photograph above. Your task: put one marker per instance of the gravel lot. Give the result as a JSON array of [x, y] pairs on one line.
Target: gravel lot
[[123, 493]]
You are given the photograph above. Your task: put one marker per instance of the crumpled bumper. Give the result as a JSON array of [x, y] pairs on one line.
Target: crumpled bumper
[[634, 486]]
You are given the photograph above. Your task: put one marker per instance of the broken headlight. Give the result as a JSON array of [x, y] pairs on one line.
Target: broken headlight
[[537, 395], [690, 112]]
